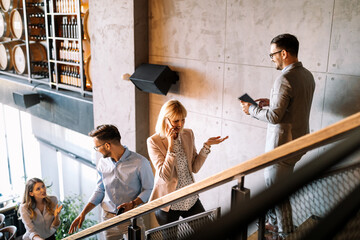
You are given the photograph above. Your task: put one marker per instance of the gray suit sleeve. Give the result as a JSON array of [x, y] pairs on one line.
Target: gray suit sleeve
[[279, 100]]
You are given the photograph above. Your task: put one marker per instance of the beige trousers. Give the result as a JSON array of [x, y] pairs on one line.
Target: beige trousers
[[120, 231]]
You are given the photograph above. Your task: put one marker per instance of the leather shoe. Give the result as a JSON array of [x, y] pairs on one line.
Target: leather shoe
[[273, 236], [271, 227]]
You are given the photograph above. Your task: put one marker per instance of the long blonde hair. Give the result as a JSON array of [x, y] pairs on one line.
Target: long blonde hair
[[29, 201], [172, 109]]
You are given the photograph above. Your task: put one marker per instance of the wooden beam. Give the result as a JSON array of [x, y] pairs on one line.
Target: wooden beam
[[286, 151]]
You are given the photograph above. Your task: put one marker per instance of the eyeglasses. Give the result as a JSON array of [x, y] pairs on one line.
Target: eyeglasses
[[96, 148], [271, 55]]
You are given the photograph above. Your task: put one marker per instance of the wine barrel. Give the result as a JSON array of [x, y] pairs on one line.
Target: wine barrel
[[4, 25], [86, 26], [84, 6], [8, 5], [87, 70], [37, 53], [86, 48], [17, 21], [6, 54]]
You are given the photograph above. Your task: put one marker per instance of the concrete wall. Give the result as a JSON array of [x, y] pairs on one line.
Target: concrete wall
[[220, 49], [119, 43], [117, 46]]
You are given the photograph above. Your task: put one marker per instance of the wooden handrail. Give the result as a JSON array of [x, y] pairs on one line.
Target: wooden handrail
[[286, 151]]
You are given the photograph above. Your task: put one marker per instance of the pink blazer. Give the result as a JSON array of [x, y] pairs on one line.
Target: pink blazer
[[166, 177]]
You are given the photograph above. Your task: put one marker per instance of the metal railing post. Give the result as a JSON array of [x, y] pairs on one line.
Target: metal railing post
[[240, 194], [261, 231], [134, 231]]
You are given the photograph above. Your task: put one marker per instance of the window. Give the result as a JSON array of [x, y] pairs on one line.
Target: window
[[32, 147]]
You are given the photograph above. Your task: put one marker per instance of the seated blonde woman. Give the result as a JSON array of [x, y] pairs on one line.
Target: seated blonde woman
[[174, 156]]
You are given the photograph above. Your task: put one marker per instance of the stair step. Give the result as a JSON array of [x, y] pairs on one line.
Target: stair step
[[304, 228], [253, 236], [300, 231]]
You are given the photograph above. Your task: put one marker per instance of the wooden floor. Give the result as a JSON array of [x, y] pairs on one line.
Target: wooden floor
[[253, 236]]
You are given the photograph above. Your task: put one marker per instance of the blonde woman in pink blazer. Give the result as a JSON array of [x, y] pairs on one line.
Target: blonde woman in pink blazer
[[174, 156]]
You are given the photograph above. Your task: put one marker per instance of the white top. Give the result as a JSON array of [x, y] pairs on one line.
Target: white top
[[40, 225], [184, 177]]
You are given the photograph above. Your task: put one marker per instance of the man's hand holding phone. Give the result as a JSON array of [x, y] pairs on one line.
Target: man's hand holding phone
[[263, 102]]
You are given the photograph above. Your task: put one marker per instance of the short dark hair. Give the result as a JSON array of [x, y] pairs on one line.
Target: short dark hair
[[287, 42], [106, 132]]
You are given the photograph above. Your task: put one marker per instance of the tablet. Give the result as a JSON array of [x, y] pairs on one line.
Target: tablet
[[247, 98]]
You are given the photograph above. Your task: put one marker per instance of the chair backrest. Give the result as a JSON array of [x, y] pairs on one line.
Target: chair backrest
[[9, 232], [2, 220]]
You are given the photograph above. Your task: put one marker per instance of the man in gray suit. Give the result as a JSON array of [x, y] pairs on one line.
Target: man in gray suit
[[287, 113]]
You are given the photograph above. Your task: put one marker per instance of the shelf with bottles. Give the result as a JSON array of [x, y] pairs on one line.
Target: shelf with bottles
[[39, 70], [69, 77], [65, 41], [36, 23], [23, 41], [66, 52], [66, 27], [65, 7], [35, 4], [69, 28]]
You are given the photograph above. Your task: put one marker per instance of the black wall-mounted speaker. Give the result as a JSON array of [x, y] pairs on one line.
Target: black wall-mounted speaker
[[26, 100], [154, 78]]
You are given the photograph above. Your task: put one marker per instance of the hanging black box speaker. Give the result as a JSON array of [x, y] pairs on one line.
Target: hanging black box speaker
[[26, 100], [154, 78]]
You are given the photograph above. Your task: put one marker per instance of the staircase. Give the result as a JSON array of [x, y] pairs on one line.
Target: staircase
[[305, 182]]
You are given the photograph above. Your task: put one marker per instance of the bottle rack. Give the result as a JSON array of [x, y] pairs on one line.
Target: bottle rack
[[30, 17], [65, 47], [57, 26]]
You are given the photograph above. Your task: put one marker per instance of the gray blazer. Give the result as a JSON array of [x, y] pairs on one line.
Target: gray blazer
[[289, 110]]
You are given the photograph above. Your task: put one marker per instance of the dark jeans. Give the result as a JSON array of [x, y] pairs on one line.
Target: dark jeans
[[52, 237], [173, 215]]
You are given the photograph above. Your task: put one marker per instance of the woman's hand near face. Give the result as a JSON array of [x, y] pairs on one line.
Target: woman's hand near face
[[215, 140], [170, 135]]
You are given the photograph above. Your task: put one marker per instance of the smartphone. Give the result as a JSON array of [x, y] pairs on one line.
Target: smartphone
[[172, 126], [120, 211]]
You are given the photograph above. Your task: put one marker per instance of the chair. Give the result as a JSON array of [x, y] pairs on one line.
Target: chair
[[2, 220], [8, 232]]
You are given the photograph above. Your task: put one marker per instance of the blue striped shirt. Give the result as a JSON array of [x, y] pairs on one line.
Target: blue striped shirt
[[122, 181]]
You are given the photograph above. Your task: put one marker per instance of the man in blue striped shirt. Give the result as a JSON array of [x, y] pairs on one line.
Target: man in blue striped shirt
[[125, 180]]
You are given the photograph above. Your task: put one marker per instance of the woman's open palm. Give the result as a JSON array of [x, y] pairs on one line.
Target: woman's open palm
[[57, 210], [215, 140]]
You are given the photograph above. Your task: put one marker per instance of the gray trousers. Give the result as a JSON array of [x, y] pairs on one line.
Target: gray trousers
[[281, 215]]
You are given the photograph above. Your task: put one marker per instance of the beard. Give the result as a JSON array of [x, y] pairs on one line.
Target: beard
[[279, 65], [106, 155]]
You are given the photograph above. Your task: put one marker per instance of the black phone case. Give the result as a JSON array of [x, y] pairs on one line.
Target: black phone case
[[247, 98]]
